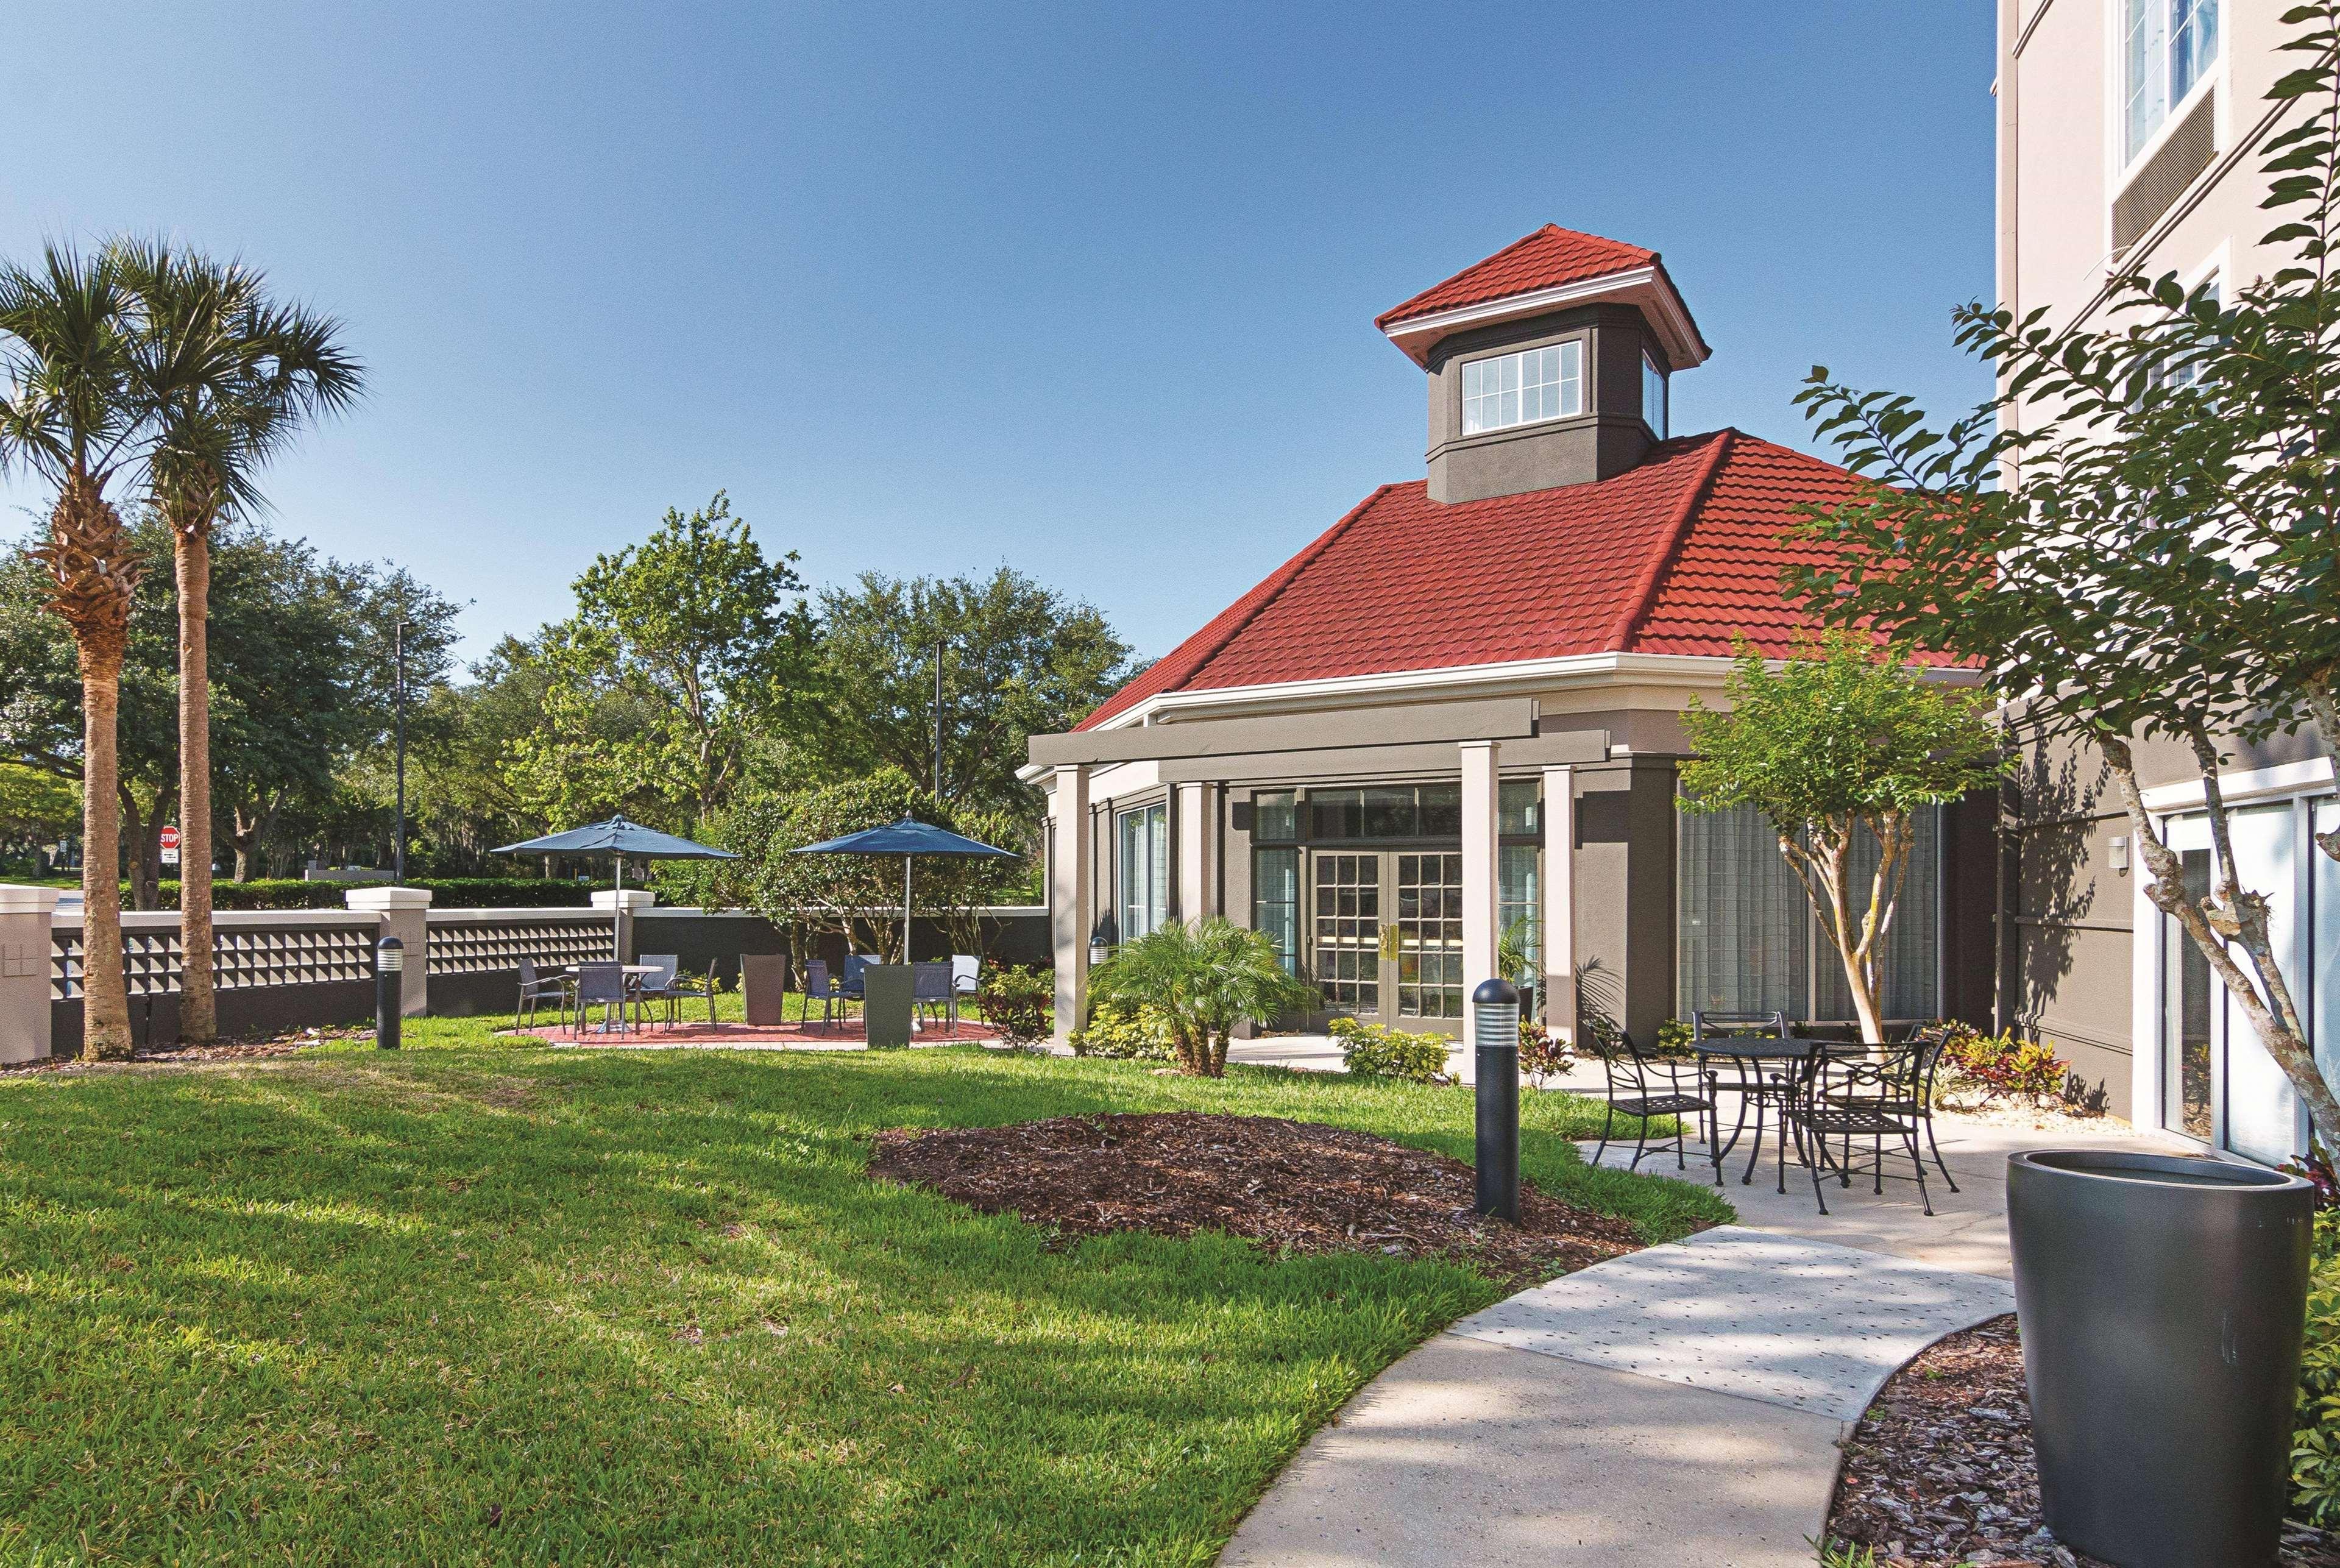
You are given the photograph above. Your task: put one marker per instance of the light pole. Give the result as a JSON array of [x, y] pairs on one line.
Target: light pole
[[398, 844], [939, 722]]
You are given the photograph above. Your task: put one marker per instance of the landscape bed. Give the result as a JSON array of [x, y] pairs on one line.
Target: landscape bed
[[501, 1301]]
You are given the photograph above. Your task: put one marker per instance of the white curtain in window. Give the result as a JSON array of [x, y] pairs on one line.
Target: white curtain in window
[[1906, 970], [1744, 919]]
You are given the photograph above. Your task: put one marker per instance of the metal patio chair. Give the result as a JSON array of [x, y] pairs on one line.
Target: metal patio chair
[[670, 986], [536, 989], [967, 981], [603, 986], [930, 988], [1642, 1085], [832, 999], [1873, 1100]]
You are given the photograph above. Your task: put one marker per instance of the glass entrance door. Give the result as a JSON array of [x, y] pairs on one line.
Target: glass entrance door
[[1429, 937], [1345, 932]]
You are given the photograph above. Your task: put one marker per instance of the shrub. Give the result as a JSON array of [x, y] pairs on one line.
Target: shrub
[[1140, 1034], [1378, 1051], [2315, 1439], [2006, 1064], [1020, 1002], [1674, 1037], [1542, 1053], [447, 893]]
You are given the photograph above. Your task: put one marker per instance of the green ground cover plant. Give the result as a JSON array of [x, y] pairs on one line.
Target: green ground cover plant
[[1378, 1051], [484, 1300]]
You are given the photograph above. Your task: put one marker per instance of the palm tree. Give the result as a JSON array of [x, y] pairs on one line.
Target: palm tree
[[73, 413], [233, 376], [1206, 978]]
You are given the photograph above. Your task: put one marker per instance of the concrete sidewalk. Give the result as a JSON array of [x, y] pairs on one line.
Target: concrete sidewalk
[[1680, 1404]]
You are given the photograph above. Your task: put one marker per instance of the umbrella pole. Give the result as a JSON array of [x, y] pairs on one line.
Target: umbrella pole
[[906, 908]]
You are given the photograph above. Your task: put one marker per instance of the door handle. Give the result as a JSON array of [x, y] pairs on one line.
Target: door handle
[[1391, 941]]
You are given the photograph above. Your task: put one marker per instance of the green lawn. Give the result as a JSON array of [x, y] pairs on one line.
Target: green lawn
[[487, 1303]]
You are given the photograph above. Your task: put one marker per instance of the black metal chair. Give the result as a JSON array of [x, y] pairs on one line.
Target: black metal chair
[[1929, 1041], [1756, 1089], [930, 988], [1642, 1085], [669, 986], [1860, 1099], [818, 989], [603, 986], [535, 990]]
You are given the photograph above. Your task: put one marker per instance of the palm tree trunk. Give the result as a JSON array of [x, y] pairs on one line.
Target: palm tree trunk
[[198, 1009], [104, 994]]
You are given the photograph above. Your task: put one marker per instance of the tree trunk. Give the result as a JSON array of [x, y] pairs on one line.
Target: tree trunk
[[198, 1014], [104, 993]]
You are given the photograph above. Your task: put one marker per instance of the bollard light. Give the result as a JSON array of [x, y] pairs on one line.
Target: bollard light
[[1495, 1036], [389, 990]]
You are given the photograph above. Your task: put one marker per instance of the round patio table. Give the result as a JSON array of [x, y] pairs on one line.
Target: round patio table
[[1755, 1054], [635, 975]]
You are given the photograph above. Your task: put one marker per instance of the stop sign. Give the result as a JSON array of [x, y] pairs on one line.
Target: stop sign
[[170, 837]]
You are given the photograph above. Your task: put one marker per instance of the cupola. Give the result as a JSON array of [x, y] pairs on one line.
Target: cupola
[[1550, 363]]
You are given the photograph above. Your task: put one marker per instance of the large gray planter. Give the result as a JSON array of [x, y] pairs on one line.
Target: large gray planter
[[2162, 1301], [888, 997]]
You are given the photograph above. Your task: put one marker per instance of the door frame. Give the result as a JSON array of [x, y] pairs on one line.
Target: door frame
[[1389, 925]]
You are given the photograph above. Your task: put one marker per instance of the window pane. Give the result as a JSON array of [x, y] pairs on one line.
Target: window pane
[[1571, 378], [1272, 816], [1441, 811], [1389, 813], [1516, 808], [1275, 902], [1336, 814], [1519, 914], [1906, 970], [1745, 924], [2144, 45], [2193, 43], [1653, 396]]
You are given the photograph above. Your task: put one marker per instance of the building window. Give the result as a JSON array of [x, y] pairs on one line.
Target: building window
[[1273, 818], [1523, 388], [2167, 46], [1519, 913], [1145, 870], [1653, 396], [1275, 902], [1386, 811], [1515, 809]]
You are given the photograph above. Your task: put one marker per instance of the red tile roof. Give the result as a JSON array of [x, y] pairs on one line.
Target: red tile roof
[[1546, 259], [1672, 556]]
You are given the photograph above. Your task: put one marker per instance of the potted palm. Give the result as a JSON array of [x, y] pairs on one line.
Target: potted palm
[[1204, 978]]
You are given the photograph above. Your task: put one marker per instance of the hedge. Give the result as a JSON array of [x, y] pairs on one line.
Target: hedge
[[447, 893]]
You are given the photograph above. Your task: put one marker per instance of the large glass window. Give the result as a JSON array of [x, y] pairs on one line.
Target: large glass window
[[1386, 811], [2166, 47], [1749, 940], [1653, 396], [1275, 818], [1522, 388], [1145, 870], [1519, 912], [1275, 901]]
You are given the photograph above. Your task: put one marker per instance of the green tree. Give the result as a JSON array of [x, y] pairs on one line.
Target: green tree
[[1846, 739], [2165, 564], [1204, 977], [34, 807], [232, 375], [73, 413], [1018, 659], [683, 648]]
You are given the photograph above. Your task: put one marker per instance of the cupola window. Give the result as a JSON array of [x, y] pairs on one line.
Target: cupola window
[[1523, 388], [1653, 397]]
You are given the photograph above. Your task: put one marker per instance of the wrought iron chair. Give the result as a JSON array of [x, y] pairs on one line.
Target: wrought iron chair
[[930, 988], [535, 990], [832, 999], [1756, 1089], [1643, 1087], [1861, 1099], [669, 986], [603, 986], [1929, 1041]]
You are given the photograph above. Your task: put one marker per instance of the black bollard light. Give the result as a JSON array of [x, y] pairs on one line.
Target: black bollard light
[[389, 990], [1495, 1030]]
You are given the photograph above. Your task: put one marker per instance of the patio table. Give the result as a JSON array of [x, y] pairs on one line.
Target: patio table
[[635, 975], [1759, 1056]]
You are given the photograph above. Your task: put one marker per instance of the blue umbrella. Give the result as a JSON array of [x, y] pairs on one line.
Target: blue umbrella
[[618, 839], [907, 838]]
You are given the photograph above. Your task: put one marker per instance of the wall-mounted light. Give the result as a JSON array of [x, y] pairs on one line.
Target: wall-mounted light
[[2119, 852]]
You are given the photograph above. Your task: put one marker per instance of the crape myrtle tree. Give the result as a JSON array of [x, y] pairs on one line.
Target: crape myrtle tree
[[1839, 747], [2137, 534], [682, 650]]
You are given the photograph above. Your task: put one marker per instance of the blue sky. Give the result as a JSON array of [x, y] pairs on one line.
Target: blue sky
[[1085, 290]]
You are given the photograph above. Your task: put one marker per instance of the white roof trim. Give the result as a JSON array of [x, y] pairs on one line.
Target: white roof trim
[[1644, 286], [2311, 777]]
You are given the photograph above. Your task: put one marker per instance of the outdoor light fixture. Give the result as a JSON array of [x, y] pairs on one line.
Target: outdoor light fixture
[[1495, 1039], [2119, 853], [389, 990]]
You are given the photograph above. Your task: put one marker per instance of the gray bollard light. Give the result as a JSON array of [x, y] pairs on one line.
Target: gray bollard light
[[1496, 1027], [389, 990]]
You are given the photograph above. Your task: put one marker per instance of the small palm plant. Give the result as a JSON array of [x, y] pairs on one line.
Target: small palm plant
[[1204, 978]]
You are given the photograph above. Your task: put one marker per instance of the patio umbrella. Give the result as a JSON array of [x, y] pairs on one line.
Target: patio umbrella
[[909, 838], [618, 838]]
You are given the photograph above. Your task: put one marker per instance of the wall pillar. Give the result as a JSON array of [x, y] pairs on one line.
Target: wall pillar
[[1197, 832], [405, 914], [1069, 916], [1480, 806], [24, 914], [624, 904], [1559, 913]]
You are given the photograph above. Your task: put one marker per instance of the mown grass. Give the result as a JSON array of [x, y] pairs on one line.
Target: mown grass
[[487, 1303]]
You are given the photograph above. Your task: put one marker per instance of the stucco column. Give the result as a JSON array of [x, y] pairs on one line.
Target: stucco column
[[623, 904], [1479, 788], [406, 915], [1068, 896], [1559, 916], [25, 913], [1198, 851]]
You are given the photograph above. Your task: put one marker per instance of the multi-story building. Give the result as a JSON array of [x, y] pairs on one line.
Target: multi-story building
[[2131, 137]]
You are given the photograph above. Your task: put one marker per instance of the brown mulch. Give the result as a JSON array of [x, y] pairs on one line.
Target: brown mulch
[[1941, 1471], [173, 1056], [1295, 1186]]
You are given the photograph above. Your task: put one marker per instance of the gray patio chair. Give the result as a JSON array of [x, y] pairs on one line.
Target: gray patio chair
[[832, 999], [603, 986], [850, 987], [535, 990], [672, 988], [930, 988], [967, 980]]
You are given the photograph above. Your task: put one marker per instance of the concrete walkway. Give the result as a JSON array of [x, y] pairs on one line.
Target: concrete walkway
[[1680, 1404]]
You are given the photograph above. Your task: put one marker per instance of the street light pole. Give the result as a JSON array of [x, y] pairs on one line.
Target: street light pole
[[398, 846], [938, 723]]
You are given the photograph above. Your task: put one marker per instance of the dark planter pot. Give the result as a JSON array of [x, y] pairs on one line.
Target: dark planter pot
[[888, 997], [2162, 1301]]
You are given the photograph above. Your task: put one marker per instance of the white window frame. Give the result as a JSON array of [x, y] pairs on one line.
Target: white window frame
[[1153, 825], [2122, 161], [1563, 351]]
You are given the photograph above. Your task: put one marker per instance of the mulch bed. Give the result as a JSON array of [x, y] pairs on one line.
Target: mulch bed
[[1295, 1186], [175, 1056], [1941, 1471]]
